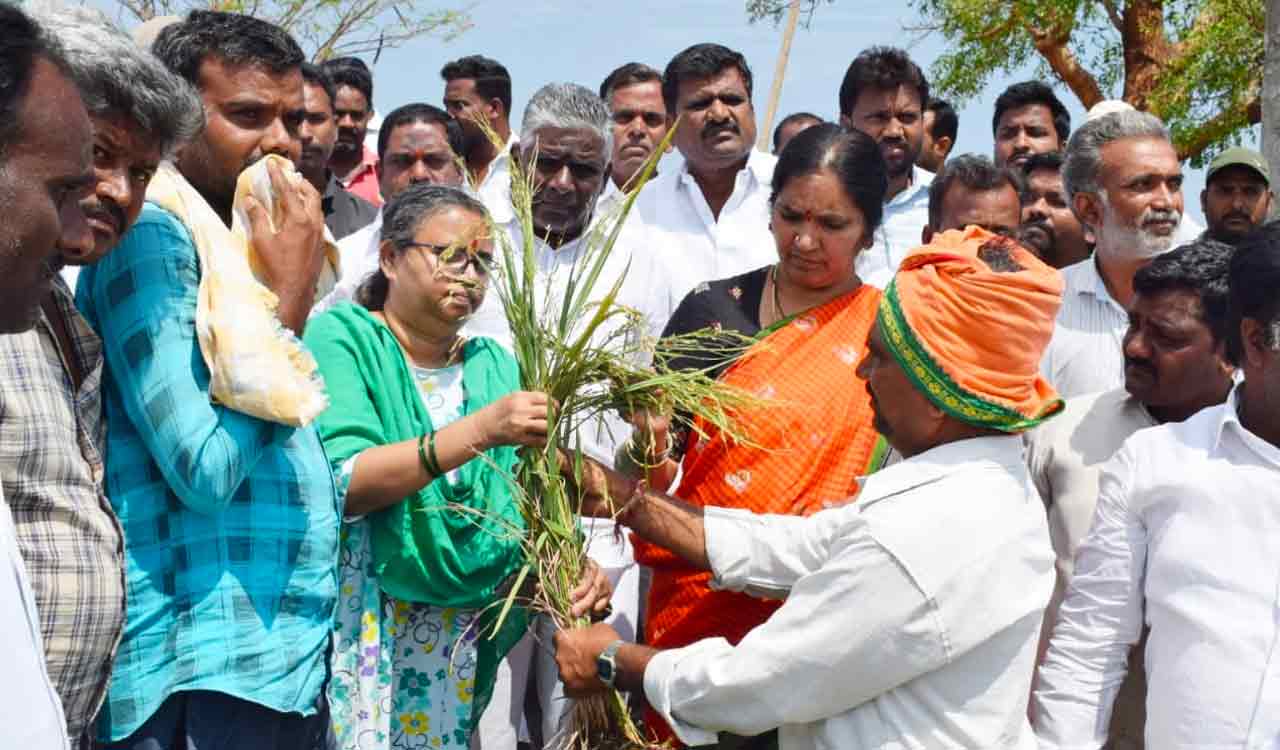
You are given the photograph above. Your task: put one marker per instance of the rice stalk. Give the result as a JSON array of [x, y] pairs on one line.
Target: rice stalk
[[591, 355]]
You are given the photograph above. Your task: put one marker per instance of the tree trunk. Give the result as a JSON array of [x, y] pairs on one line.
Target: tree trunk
[[1271, 93], [775, 91]]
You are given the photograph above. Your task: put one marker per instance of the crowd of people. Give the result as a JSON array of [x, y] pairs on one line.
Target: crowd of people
[[1021, 421]]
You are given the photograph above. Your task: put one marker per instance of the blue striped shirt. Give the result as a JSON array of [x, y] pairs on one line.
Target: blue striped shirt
[[230, 523]]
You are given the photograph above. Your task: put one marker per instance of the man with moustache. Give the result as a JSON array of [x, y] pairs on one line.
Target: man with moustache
[[1236, 196], [1183, 544], [477, 90], [230, 522], [1049, 227], [711, 216], [53, 434], [569, 165], [633, 94], [344, 212], [351, 160], [416, 143], [883, 94], [1029, 119], [45, 170], [971, 191], [940, 127], [1175, 365], [1125, 184]]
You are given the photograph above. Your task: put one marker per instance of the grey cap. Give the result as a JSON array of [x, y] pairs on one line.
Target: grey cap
[[1243, 157]]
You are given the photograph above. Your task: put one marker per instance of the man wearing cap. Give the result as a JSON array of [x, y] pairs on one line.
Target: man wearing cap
[[1236, 196], [912, 613]]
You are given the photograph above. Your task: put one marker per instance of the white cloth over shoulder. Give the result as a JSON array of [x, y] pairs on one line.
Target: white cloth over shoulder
[[911, 619], [1186, 538]]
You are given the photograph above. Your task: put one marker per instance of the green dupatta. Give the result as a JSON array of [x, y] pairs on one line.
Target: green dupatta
[[450, 544]]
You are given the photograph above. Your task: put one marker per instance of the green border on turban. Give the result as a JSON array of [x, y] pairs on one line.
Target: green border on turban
[[936, 385]]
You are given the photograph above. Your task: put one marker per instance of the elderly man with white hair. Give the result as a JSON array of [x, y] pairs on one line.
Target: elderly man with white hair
[[53, 435], [1125, 185], [565, 142]]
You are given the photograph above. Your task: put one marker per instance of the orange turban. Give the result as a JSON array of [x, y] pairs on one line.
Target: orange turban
[[968, 317]]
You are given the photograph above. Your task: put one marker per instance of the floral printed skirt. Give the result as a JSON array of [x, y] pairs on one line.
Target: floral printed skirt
[[402, 672]]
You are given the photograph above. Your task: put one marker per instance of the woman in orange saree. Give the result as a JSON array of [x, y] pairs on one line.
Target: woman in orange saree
[[810, 315]]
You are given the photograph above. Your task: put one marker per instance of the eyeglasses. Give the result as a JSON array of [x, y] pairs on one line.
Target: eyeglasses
[[456, 258]]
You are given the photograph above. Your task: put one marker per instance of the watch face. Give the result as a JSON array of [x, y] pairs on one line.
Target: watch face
[[604, 670]]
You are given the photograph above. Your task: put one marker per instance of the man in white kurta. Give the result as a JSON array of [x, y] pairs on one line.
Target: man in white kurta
[[912, 613]]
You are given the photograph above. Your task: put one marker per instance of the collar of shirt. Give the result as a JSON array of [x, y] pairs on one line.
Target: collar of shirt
[[1084, 278], [368, 161], [936, 463], [501, 164], [758, 173], [920, 181], [1230, 423]]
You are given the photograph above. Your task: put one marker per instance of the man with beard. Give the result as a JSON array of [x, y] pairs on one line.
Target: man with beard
[[230, 522], [570, 165], [883, 94], [344, 212], [45, 170], [1029, 119], [1183, 543], [1175, 365], [53, 435], [351, 160], [711, 216], [633, 94], [1237, 195], [1049, 227], [478, 90], [416, 143], [1125, 183], [971, 191], [940, 127]]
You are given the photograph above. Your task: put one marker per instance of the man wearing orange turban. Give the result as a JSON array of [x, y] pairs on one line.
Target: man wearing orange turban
[[912, 616]]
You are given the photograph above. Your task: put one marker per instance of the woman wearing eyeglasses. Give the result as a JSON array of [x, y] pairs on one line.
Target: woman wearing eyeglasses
[[422, 427]]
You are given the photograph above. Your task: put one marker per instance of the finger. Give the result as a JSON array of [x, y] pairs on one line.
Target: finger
[[259, 222]]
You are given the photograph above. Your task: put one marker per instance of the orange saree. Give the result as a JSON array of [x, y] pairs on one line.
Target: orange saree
[[815, 440]]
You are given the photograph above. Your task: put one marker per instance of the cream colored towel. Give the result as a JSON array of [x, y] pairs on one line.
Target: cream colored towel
[[257, 366]]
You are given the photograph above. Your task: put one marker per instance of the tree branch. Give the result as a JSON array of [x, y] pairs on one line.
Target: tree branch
[[1052, 46], [1218, 127], [1117, 20]]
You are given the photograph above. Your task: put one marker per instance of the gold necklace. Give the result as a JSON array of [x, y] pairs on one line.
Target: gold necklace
[[777, 299]]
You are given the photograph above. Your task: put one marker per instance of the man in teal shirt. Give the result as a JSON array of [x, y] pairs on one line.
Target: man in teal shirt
[[230, 522]]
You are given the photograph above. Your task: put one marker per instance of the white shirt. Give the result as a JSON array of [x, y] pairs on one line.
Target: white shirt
[[494, 191], [1084, 354], [358, 257], [1186, 536], [678, 223], [911, 617], [905, 216], [30, 712]]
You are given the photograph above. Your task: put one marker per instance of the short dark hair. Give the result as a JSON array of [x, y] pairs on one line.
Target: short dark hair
[[946, 123], [628, 75], [973, 171], [420, 112], [851, 154], [1254, 279], [881, 68], [492, 79], [234, 38], [351, 71], [1033, 92], [794, 117], [316, 76], [1200, 266], [700, 61], [21, 42]]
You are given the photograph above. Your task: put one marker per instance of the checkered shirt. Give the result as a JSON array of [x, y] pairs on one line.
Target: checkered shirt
[[230, 523], [51, 435]]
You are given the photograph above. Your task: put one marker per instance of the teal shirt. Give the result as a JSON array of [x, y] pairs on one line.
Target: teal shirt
[[230, 523]]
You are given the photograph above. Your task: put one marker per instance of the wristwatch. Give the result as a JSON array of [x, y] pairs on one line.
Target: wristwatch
[[607, 663]]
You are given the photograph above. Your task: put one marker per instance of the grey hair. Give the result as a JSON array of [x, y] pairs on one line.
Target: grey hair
[[117, 77], [566, 105], [1083, 163], [401, 218]]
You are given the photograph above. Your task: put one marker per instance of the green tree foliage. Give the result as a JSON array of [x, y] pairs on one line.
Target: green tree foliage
[[1197, 64], [329, 28]]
